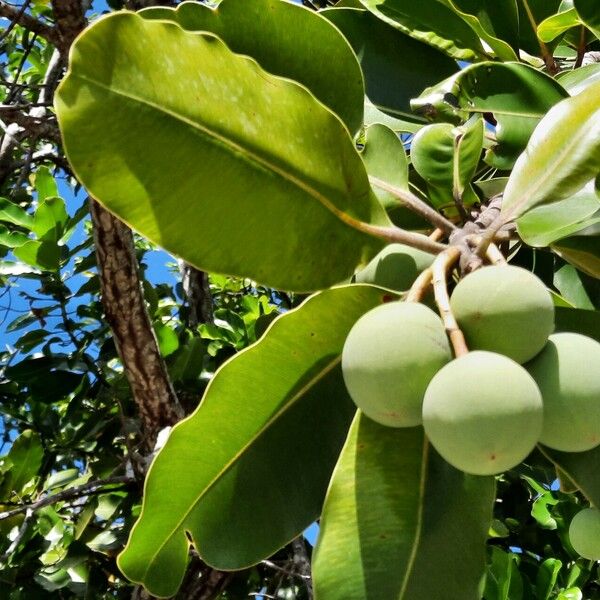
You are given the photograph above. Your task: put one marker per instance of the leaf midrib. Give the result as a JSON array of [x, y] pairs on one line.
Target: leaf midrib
[[244, 152], [293, 400], [419, 528]]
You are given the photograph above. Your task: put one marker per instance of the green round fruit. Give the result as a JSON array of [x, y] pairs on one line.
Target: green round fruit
[[504, 309], [567, 372], [584, 533], [395, 267], [389, 358], [483, 413]]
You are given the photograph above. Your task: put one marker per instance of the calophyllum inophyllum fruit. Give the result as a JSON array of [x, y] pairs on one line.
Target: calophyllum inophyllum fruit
[[389, 358], [584, 533], [395, 267], [504, 309], [567, 372], [483, 413]]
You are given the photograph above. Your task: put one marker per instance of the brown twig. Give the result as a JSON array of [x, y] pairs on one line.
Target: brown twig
[[581, 47], [420, 287], [400, 236], [437, 235], [73, 493], [441, 265], [544, 50], [19, 16], [415, 204]]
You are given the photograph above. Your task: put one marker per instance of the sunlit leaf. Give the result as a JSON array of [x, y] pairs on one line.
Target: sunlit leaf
[[550, 222], [247, 472], [286, 39], [562, 155], [276, 175]]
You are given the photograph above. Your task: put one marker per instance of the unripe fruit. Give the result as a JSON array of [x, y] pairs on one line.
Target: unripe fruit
[[504, 309], [483, 413], [389, 358], [395, 267], [567, 372], [584, 533]]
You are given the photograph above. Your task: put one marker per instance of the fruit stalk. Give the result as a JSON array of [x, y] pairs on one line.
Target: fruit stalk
[[419, 288], [441, 265]]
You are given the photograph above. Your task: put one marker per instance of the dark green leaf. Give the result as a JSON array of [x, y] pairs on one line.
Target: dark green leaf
[[396, 67], [588, 12], [581, 468], [446, 157], [586, 322], [503, 580], [273, 421], [385, 158], [431, 22], [547, 577], [394, 518], [496, 23], [531, 14], [568, 282]]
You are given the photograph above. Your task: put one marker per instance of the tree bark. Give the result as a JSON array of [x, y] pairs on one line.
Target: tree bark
[[197, 294], [128, 318]]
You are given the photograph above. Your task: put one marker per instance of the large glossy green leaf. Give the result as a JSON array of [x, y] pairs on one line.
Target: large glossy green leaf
[[431, 22], [395, 66], [446, 157], [517, 95], [248, 470], [399, 523], [589, 14], [233, 169], [582, 252], [286, 40], [496, 22], [548, 223], [562, 155], [577, 80]]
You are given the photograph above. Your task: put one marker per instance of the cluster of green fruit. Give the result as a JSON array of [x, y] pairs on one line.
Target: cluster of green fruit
[[484, 411]]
